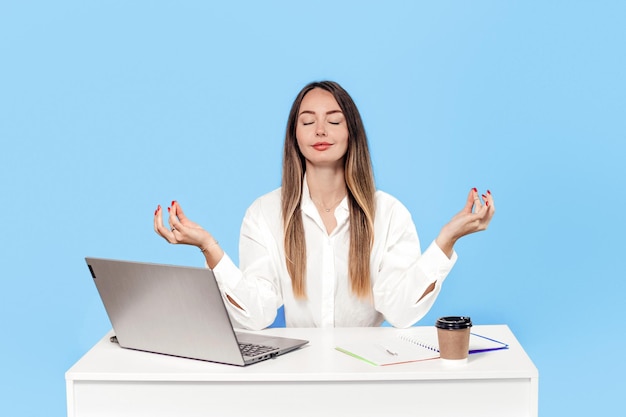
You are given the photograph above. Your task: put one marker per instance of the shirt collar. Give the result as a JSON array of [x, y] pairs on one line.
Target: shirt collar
[[306, 202]]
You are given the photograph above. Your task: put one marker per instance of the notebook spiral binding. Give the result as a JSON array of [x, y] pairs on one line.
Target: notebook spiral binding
[[417, 342]]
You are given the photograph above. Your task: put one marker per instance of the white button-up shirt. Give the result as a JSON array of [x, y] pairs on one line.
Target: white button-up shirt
[[400, 272]]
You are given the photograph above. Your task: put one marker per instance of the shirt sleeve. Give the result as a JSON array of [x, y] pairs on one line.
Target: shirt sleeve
[[404, 273], [254, 286]]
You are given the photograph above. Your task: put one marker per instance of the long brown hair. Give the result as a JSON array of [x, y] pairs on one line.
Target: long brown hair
[[359, 176]]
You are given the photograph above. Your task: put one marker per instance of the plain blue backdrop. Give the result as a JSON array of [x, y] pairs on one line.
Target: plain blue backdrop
[[108, 108]]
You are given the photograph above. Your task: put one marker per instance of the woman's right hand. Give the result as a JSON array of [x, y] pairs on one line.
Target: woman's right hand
[[181, 230]]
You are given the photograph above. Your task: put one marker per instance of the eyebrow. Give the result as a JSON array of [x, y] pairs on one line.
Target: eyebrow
[[312, 112]]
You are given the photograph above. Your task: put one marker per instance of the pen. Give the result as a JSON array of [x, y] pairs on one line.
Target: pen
[[389, 351]]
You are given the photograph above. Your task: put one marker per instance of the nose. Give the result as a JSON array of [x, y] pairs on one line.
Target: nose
[[320, 130]]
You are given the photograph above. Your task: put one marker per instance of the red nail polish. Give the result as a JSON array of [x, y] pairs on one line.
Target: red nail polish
[[488, 192], [487, 203], [475, 190], [173, 202], [168, 209], [484, 196]]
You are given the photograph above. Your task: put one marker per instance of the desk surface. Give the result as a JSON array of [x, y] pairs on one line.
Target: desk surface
[[317, 361], [313, 380]]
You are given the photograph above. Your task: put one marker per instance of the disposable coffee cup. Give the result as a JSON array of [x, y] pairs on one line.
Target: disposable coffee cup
[[453, 334]]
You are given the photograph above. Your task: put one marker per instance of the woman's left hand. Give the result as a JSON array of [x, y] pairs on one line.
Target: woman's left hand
[[474, 217], [181, 230]]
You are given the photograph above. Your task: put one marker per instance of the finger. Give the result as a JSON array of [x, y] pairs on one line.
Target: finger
[[157, 218], [178, 210], [489, 204], [469, 203], [492, 205], [160, 228], [482, 212], [158, 222], [180, 221], [488, 210], [172, 221], [476, 203]]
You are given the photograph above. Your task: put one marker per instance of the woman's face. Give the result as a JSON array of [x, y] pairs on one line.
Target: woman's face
[[321, 129]]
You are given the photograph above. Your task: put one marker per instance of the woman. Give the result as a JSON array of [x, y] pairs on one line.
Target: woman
[[327, 245]]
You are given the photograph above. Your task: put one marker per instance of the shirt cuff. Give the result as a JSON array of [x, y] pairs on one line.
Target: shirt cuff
[[436, 263], [226, 272]]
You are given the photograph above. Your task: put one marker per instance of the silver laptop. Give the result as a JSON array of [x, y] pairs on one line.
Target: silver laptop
[[179, 311]]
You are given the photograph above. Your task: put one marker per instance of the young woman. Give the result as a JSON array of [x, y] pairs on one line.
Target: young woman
[[327, 245]]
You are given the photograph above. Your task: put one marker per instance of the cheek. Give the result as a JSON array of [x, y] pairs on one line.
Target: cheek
[[300, 135], [344, 137], [343, 133]]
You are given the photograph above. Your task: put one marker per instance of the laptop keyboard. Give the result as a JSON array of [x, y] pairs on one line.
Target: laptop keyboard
[[248, 349]]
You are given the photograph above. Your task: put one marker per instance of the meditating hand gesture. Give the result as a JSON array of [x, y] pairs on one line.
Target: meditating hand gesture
[[474, 217]]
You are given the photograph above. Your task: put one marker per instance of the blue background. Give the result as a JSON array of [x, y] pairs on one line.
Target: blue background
[[108, 108]]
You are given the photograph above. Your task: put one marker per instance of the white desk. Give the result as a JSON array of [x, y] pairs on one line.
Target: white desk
[[316, 380]]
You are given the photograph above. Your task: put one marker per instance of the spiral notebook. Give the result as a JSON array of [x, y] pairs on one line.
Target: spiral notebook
[[412, 345]]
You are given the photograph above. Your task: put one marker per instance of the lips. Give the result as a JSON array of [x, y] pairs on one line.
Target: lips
[[321, 146]]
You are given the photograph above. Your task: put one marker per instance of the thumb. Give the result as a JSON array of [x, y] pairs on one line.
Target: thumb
[[471, 197], [177, 211]]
